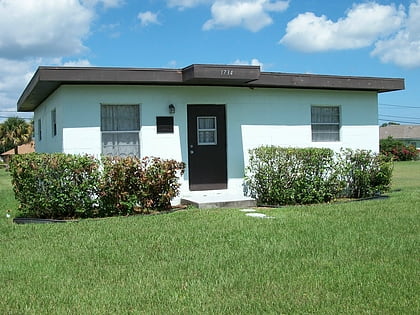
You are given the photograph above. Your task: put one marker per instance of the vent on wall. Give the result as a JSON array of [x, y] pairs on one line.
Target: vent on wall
[[165, 124]]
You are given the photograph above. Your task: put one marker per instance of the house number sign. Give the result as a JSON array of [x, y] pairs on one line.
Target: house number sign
[[226, 72]]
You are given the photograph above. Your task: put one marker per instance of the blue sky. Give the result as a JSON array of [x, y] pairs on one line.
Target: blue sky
[[362, 38]]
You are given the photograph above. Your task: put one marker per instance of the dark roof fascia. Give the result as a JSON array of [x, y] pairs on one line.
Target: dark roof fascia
[[220, 74], [47, 79], [29, 88], [108, 75], [329, 82]]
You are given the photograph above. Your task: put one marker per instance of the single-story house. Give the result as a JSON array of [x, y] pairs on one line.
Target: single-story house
[[408, 134], [208, 116], [22, 149]]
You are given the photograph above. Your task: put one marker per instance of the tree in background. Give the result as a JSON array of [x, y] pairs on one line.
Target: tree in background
[[391, 123], [15, 131]]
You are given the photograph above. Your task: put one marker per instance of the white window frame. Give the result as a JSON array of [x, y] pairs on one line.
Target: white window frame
[[116, 132], [207, 130], [315, 133]]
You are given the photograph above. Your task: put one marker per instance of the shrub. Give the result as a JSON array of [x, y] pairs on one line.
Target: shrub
[[397, 150], [55, 185], [132, 185], [61, 186], [365, 173], [278, 176]]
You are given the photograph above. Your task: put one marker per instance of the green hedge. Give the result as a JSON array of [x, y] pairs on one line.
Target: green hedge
[[365, 174], [71, 186], [279, 176], [291, 176], [55, 185]]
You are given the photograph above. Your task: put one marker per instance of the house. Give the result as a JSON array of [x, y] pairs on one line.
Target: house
[[408, 134], [22, 149], [208, 116]]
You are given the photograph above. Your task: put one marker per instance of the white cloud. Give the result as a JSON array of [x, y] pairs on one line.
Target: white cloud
[[403, 49], [15, 75], [147, 18], [361, 27], [42, 27], [35, 32], [253, 62], [250, 14], [77, 63], [277, 6]]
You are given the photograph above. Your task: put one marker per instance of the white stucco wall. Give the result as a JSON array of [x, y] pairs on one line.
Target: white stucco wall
[[254, 117]]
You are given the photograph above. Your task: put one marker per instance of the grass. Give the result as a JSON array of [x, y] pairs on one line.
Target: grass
[[350, 258]]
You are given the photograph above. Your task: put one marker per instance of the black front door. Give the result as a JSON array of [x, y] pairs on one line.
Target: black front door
[[207, 165]]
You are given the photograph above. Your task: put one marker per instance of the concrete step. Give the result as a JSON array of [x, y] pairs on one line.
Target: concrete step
[[217, 199]]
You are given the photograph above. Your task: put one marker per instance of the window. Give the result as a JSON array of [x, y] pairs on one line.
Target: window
[[325, 121], [206, 130], [39, 130], [53, 122], [120, 126], [165, 124]]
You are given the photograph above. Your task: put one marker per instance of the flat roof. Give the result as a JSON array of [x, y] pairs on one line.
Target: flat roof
[[47, 79]]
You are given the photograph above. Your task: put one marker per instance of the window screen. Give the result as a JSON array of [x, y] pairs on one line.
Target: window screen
[[325, 122], [120, 126]]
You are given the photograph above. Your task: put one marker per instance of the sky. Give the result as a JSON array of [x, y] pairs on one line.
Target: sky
[[378, 38]]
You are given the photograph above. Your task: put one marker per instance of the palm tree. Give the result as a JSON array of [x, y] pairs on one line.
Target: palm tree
[[15, 131]]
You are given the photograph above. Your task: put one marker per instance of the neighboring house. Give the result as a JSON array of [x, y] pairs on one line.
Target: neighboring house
[[208, 116], [22, 149], [408, 134]]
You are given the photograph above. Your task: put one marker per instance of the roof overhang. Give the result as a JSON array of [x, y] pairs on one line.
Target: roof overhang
[[47, 79]]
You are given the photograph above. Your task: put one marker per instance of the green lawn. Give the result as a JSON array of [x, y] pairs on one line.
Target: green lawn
[[348, 258]]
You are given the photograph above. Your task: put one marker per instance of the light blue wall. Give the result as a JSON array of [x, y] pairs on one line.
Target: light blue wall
[[49, 143], [254, 117]]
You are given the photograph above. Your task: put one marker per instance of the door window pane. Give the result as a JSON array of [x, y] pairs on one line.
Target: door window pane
[[206, 122], [206, 130]]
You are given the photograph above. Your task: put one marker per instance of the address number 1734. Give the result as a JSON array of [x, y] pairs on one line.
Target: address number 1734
[[226, 72]]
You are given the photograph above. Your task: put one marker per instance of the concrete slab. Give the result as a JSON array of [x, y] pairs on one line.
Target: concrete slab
[[258, 215], [217, 199]]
